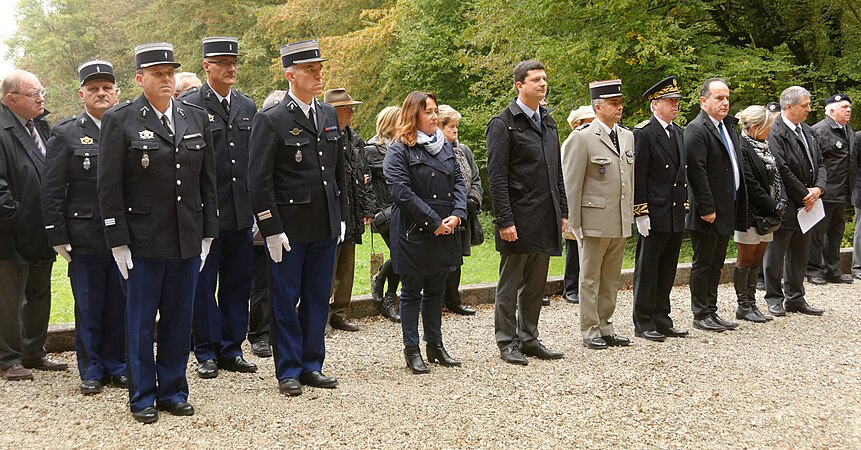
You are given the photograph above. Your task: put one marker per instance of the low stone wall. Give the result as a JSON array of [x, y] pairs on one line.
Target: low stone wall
[[61, 337]]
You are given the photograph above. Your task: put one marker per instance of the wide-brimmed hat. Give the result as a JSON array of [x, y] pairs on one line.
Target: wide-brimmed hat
[[339, 97], [583, 112]]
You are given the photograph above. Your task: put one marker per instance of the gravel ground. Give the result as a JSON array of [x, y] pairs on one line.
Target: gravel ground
[[791, 383]]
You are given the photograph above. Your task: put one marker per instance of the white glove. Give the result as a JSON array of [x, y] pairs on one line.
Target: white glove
[[205, 245], [276, 243], [644, 224], [65, 251], [578, 233], [123, 258], [343, 231]]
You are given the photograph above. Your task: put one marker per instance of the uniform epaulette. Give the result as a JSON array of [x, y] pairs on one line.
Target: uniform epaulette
[[278, 102], [622, 126], [582, 126], [642, 124], [122, 105], [186, 93], [66, 120], [184, 102]]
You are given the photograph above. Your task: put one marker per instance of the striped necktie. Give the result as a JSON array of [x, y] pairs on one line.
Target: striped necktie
[[31, 127]]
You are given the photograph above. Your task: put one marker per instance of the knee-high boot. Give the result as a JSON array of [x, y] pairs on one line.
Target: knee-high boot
[[740, 277], [751, 293]]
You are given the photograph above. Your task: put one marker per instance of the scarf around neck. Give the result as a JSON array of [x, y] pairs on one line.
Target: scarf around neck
[[432, 144]]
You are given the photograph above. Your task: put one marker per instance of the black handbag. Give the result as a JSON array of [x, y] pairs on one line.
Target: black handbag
[[382, 220], [769, 224], [476, 233]]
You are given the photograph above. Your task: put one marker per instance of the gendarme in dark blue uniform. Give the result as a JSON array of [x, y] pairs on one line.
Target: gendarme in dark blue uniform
[[72, 220], [220, 327], [158, 200], [296, 177]]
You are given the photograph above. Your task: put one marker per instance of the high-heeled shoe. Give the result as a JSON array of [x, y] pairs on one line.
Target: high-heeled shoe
[[436, 353], [414, 359]]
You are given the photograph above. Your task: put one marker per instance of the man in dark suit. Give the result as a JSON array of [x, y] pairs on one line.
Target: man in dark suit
[[834, 137], [716, 194], [856, 203], [524, 170], [804, 178], [26, 258], [74, 226], [157, 194], [220, 326], [296, 178], [660, 203]]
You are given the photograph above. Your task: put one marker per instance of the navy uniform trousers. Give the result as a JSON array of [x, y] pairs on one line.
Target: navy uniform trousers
[[165, 286], [100, 306], [303, 278], [219, 328]]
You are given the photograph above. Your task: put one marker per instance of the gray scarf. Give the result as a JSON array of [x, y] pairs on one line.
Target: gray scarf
[[432, 144]]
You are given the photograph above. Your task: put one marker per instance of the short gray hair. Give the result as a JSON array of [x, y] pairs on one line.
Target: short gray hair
[[183, 79], [792, 96], [595, 102], [12, 82], [273, 98]]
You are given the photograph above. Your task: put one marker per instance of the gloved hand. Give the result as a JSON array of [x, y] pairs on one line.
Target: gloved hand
[[123, 258], [578, 233], [65, 251], [644, 224], [343, 231], [276, 244], [205, 245]]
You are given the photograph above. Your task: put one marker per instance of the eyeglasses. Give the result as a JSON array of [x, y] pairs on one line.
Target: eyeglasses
[[39, 93], [225, 64]]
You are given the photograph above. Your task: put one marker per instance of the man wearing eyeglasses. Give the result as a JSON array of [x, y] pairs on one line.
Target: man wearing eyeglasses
[[220, 326], [26, 258]]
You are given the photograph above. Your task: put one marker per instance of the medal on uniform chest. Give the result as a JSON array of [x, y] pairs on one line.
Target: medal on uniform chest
[[839, 144], [145, 159], [86, 140], [629, 153], [602, 169], [298, 156], [87, 164]]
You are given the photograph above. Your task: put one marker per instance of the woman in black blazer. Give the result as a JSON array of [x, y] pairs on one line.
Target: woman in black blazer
[[766, 199]]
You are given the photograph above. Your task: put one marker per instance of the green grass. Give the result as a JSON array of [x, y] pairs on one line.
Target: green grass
[[481, 267]]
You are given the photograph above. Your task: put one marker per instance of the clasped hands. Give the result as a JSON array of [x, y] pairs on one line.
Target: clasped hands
[[447, 226]]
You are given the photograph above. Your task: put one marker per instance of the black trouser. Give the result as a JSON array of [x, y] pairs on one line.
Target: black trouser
[[571, 281], [25, 308], [655, 272], [826, 236], [786, 256], [260, 315], [709, 255]]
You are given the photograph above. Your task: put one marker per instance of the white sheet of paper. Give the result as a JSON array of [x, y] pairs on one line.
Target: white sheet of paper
[[806, 220]]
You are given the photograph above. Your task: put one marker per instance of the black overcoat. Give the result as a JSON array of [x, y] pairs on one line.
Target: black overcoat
[[797, 172], [838, 157], [758, 180]]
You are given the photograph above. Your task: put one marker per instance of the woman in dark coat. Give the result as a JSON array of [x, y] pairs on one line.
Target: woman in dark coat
[[449, 119], [766, 198], [375, 152], [429, 198]]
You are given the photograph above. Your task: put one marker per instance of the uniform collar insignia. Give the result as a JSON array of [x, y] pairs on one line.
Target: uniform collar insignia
[[86, 140], [180, 111], [83, 120], [292, 105], [146, 134], [211, 117], [295, 131], [144, 110]]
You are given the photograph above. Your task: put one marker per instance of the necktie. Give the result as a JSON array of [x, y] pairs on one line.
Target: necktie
[[226, 106], [32, 129], [537, 119], [731, 158], [312, 119], [804, 141], [615, 139], [166, 122], [670, 131]]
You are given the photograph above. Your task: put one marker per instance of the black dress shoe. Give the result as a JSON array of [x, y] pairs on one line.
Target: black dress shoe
[[237, 364], [596, 343], [318, 380], [44, 363], [146, 415], [724, 323], [856, 275], [290, 386], [840, 279], [261, 348], [651, 335], [178, 409], [777, 310], [120, 381], [89, 387], [614, 340], [541, 352], [817, 280], [436, 353], [207, 370], [804, 308], [343, 324], [708, 324], [760, 285], [461, 309], [545, 301], [673, 332], [413, 356], [572, 298], [513, 355]]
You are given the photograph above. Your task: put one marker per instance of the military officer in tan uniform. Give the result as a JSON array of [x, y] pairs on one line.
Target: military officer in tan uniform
[[598, 169]]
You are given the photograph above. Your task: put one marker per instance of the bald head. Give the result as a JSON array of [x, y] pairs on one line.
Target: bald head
[[22, 93]]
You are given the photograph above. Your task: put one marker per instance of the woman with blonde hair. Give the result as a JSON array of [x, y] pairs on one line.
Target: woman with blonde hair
[[429, 198], [766, 205], [375, 152]]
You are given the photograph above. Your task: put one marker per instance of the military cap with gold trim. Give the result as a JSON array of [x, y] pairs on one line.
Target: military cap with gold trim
[[666, 88]]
